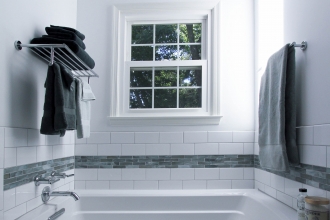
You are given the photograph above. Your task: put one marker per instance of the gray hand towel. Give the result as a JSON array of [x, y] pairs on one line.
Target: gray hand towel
[[84, 95], [47, 122], [277, 112], [65, 103]]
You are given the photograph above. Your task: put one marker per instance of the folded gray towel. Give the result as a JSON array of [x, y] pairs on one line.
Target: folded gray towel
[[277, 112]]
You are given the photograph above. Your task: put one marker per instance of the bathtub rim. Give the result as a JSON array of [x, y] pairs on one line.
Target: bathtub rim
[[277, 206]]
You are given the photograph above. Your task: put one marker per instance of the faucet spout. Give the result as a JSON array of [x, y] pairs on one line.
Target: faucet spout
[[65, 193], [47, 193]]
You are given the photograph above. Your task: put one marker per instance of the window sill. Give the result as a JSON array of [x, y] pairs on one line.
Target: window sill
[[172, 120]]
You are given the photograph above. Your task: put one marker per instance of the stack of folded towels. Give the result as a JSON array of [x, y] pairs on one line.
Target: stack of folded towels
[[73, 39]]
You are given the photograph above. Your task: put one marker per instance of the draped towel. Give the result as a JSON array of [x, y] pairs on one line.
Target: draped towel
[[277, 112]]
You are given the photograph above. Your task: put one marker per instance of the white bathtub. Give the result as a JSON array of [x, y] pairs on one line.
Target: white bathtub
[[164, 205]]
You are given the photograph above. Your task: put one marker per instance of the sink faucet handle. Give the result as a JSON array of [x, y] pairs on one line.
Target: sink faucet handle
[[60, 175]]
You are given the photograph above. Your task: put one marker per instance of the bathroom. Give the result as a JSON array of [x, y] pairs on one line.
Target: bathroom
[[249, 31]]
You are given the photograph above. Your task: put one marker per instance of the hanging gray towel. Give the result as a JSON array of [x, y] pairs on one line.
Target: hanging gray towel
[[277, 112], [65, 101], [47, 122], [84, 95]]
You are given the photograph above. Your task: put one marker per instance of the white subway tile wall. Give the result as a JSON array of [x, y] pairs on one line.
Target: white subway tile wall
[[167, 178], [99, 138], [2, 147], [107, 149], [194, 184], [133, 149], [321, 135], [243, 136], [158, 149], [220, 136], [147, 137], [286, 189], [10, 157], [231, 148], [305, 135], [122, 137], [195, 137], [328, 157], [1, 189], [167, 143], [182, 149], [24, 198], [218, 184], [86, 149], [207, 149], [248, 148], [26, 155], [313, 155], [20, 146], [171, 137]]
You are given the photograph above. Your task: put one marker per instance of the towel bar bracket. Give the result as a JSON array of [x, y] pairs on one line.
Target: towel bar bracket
[[303, 45], [17, 45]]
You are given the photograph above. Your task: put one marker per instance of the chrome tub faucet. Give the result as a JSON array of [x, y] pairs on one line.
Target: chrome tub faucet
[[47, 193]]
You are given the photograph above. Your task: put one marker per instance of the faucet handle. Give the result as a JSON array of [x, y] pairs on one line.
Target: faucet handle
[[60, 175], [40, 180]]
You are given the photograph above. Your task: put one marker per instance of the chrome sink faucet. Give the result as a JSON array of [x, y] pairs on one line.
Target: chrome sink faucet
[[47, 193], [60, 175]]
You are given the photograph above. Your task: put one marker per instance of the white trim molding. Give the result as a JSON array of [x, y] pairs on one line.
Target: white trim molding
[[123, 14]]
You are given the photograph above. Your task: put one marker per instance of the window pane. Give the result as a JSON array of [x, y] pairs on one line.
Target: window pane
[[190, 33], [142, 34], [190, 76], [165, 77], [190, 52], [166, 33], [142, 53], [140, 77], [190, 98], [165, 98], [166, 52], [140, 98]]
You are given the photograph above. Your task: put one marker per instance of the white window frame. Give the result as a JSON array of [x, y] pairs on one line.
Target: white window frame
[[123, 17]]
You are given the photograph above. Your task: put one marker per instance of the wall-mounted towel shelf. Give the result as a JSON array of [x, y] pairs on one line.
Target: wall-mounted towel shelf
[[60, 53], [303, 45]]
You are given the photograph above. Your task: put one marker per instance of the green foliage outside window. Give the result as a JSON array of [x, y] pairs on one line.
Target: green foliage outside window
[[166, 87]]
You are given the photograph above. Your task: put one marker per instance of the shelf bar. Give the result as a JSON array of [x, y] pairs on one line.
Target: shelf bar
[[49, 53]]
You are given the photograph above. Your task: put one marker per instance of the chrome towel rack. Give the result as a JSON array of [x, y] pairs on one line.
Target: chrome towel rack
[[303, 45], [56, 53]]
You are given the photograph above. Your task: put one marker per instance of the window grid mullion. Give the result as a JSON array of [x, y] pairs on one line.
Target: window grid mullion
[[154, 43], [177, 41], [177, 87], [153, 87]]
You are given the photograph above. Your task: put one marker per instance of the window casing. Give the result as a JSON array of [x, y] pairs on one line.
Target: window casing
[[122, 111]]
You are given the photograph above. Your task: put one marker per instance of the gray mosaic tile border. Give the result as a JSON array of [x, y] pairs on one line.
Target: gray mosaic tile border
[[20, 175], [184, 161], [315, 176]]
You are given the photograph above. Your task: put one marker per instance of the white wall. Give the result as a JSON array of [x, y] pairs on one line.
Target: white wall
[[237, 87], [22, 92], [23, 75]]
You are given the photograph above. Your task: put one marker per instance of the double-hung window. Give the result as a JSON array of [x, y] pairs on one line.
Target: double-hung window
[[164, 71]]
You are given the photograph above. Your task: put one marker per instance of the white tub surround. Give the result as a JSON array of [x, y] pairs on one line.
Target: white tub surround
[[167, 204]]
